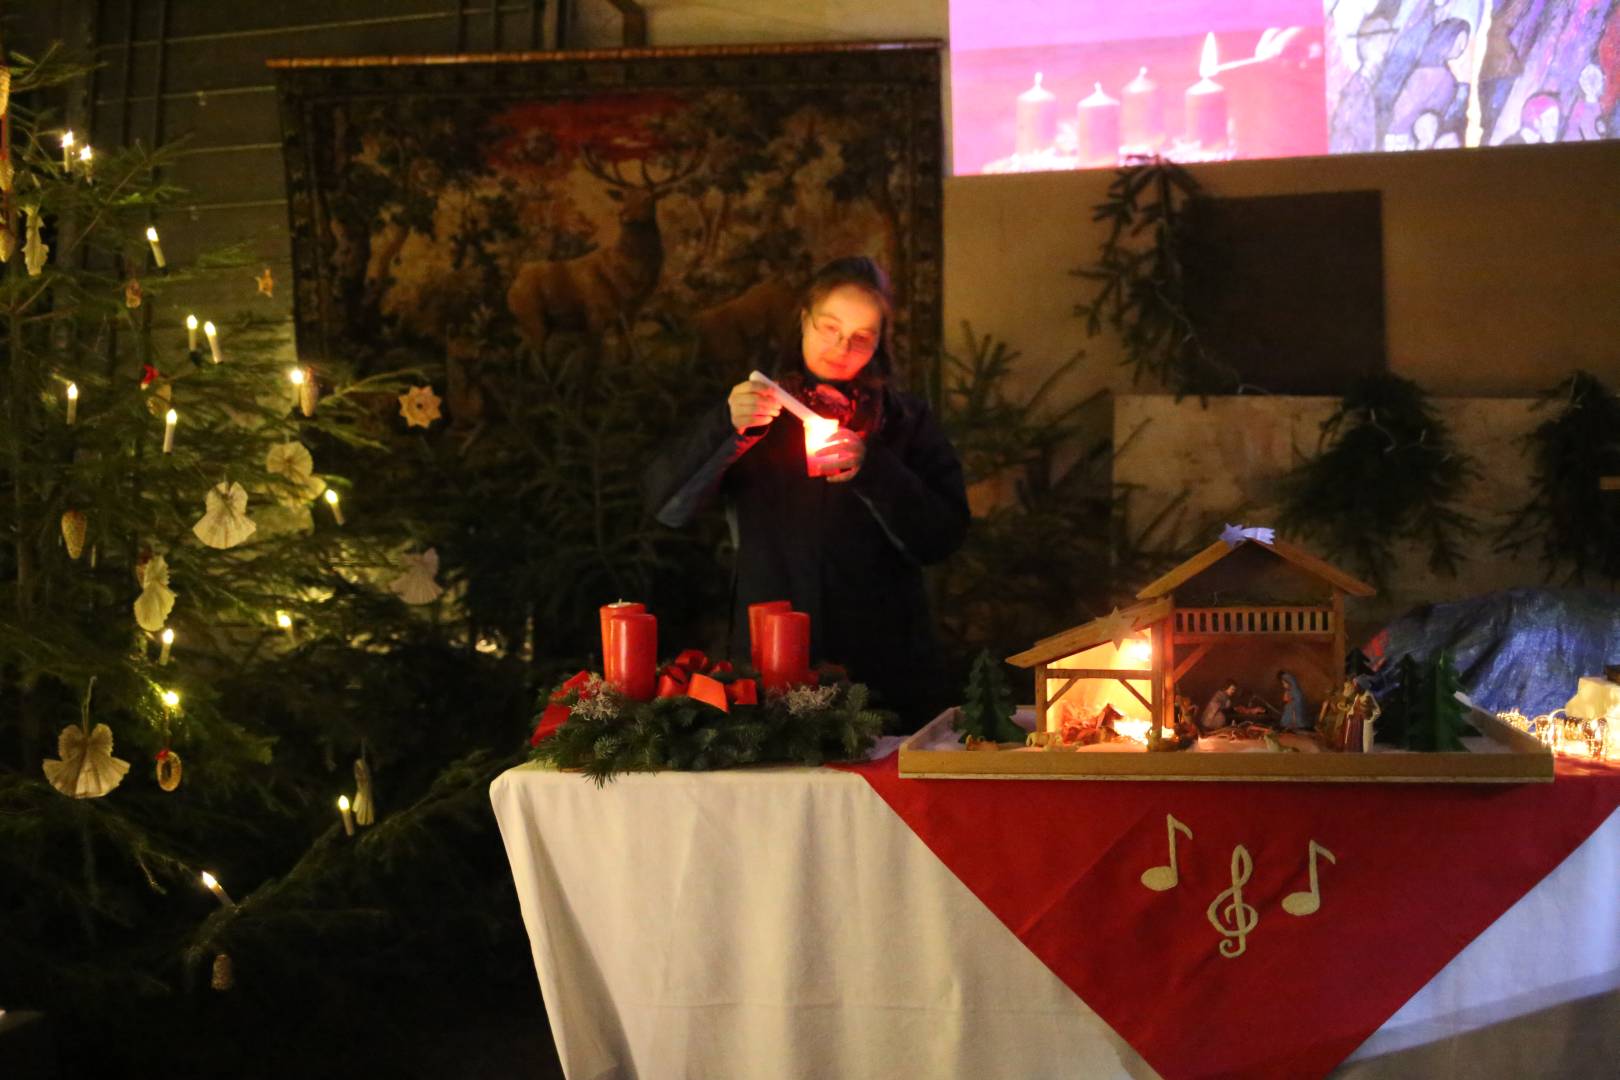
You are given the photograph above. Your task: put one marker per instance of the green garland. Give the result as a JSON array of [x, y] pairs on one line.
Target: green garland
[[606, 734], [1575, 526], [1393, 472]]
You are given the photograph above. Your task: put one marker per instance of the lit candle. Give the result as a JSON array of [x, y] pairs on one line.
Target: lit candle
[[170, 419], [1206, 102], [1037, 119], [308, 392], [756, 627], [284, 621], [67, 150], [84, 159], [607, 611], [73, 402], [217, 889], [167, 637], [337, 509], [157, 248], [348, 815], [213, 339], [631, 662], [785, 658], [814, 423], [818, 433], [1141, 119], [1098, 120], [171, 700], [191, 333]]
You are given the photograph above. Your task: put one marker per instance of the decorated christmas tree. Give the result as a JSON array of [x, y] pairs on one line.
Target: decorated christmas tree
[[209, 633]]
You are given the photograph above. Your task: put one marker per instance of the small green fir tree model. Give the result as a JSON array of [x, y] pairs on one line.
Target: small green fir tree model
[[987, 705]]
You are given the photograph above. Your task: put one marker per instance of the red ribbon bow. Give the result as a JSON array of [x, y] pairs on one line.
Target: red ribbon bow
[[556, 713]]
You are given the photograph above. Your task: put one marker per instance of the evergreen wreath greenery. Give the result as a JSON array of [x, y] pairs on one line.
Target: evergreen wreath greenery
[[607, 734], [1387, 469], [1576, 528]]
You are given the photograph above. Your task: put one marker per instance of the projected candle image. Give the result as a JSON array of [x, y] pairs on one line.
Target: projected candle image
[[1215, 80]]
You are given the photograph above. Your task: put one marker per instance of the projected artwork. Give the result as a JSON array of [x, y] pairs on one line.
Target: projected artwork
[[1039, 86]]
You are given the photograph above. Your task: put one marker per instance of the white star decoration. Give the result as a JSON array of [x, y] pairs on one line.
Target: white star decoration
[[1236, 534]]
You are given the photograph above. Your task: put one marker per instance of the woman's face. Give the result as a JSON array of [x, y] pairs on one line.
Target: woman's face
[[841, 333]]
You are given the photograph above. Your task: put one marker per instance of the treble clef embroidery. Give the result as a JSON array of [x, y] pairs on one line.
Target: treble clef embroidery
[[1235, 920]]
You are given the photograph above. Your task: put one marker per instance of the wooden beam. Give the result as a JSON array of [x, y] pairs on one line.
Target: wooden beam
[[1292, 635], [1101, 673], [1066, 688], [1137, 694], [1191, 661], [1040, 698], [1609, 483]]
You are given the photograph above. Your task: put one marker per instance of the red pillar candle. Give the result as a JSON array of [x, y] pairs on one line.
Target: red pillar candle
[[631, 662], [785, 657], [1206, 103], [606, 612], [756, 628], [1097, 118], [1141, 118], [1037, 119]]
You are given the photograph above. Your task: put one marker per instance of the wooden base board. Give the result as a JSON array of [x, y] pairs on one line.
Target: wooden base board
[[1518, 758]]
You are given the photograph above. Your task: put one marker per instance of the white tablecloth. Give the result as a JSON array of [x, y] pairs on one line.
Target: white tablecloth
[[780, 923]]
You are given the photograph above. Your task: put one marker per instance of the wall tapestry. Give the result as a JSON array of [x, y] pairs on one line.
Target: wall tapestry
[[466, 211]]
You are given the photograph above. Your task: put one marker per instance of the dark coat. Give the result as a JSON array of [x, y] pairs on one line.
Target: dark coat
[[850, 554]]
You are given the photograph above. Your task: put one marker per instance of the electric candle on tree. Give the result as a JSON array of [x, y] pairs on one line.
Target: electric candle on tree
[[73, 402], [607, 611], [1097, 117], [213, 339], [170, 419], [191, 333], [1037, 119], [213, 886], [631, 662], [1141, 117], [1206, 102], [67, 150], [337, 507], [785, 659], [167, 637], [756, 628], [157, 248], [347, 813]]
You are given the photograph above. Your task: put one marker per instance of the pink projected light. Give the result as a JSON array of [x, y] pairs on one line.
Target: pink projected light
[[1039, 86]]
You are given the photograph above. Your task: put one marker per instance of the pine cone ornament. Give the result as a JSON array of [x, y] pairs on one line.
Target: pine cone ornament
[[74, 528]]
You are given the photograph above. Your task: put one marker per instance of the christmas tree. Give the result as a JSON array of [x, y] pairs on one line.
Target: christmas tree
[[209, 632], [987, 704], [1443, 718]]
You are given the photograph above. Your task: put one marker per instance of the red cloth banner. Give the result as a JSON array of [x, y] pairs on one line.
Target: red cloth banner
[[1225, 966]]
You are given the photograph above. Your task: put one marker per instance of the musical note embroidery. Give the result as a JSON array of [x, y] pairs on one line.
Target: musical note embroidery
[[1235, 920], [1308, 903], [1160, 878]]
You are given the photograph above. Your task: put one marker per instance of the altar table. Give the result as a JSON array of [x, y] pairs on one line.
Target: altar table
[[786, 922]]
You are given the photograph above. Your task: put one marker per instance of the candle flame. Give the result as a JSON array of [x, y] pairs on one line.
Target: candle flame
[[1209, 62], [67, 140], [297, 376], [191, 322], [210, 880], [208, 329], [818, 433], [168, 636], [171, 418], [85, 154], [151, 233], [331, 496], [343, 803], [73, 391], [170, 698], [284, 620]]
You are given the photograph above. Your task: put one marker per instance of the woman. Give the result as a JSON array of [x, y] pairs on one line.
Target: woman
[[847, 547]]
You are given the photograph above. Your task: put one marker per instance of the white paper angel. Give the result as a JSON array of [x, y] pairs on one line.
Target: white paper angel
[[87, 768], [417, 585], [225, 523], [152, 607], [1236, 534], [35, 250], [292, 460]]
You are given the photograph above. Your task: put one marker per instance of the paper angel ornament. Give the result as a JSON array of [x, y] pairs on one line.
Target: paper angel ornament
[[419, 406], [225, 523], [8, 174], [133, 294], [35, 250], [292, 460], [8, 243], [365, 801], [416, 584], [87, 768], [152, 607], [267, 283]]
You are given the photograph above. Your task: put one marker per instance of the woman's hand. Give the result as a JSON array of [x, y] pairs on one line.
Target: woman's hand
[[752, 405], [844, 455]]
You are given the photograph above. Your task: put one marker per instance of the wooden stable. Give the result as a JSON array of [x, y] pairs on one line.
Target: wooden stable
[[1264, 596]]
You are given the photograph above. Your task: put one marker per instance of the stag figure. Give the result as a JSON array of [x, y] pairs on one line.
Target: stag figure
[[595, 291]]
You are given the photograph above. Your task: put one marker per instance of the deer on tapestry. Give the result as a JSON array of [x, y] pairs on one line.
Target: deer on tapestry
[[594, 291]]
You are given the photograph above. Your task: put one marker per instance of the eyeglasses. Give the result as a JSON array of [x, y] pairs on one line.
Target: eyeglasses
[[860, 343]]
